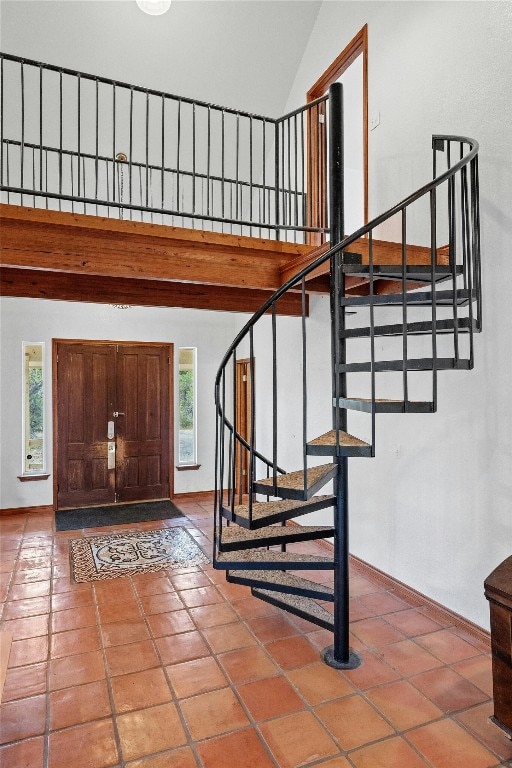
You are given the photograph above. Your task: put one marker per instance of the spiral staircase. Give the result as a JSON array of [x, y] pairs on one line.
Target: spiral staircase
[[268, 189], [411, 322]]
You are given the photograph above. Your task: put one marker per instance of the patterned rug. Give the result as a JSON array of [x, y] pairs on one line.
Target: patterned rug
[[123, 554]]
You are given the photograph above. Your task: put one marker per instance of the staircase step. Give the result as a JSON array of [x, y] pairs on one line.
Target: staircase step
[[463, 325], [281, 581], [291, 485], [268, 512], [304, 607], [236, 538], [413, 273], [256, 559], [420, 364], [364, 404], [338, 444], [442, 298]]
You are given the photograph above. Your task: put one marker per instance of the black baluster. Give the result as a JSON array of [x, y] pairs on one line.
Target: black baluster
[[405, 352]]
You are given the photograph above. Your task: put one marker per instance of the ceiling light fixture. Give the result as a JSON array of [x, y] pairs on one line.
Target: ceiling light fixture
[[154, 7]]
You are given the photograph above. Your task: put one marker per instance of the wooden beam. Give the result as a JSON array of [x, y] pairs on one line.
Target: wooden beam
[[42, 284], [155, 265], [80, 244], [298, 263]]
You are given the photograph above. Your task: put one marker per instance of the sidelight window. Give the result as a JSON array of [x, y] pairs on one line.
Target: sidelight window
[[33, 407], [187, 405]]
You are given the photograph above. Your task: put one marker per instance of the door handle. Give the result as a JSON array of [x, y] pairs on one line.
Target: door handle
[[118, 413], [111, 455]]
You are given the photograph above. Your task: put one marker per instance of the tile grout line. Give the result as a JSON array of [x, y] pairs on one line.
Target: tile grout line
[[46, 743], [175, 700], [117, 738], [97, 627], [230, 684], [283, 672], [402, 677]]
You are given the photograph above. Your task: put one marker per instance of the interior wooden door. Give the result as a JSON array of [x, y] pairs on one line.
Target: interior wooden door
[[317, 138], [112, 425], [243, 424], [86, 394], [142, 426]]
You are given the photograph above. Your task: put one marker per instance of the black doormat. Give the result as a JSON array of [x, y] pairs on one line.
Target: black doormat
[[121, 514]]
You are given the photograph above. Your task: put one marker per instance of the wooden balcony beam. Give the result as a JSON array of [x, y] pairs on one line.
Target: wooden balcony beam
[[44, 284], [79, 244]]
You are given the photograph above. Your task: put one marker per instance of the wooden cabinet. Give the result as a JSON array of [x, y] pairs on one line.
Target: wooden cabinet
[[498, 590]]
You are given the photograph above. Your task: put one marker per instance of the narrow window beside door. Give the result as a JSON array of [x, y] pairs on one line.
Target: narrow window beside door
[[33, 408], [187, 406]]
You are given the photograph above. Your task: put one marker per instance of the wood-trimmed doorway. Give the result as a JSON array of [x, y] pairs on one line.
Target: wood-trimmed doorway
[[112, 422], [358, 46], [243, 421]]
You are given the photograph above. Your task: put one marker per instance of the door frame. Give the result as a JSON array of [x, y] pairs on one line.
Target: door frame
[[358, 46], [100, 342], [243, 487]]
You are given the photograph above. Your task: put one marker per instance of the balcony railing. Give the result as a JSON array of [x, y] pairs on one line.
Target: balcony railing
[[77, 142]]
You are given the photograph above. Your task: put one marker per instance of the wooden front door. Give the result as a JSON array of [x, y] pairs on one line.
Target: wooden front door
[[112, 424]]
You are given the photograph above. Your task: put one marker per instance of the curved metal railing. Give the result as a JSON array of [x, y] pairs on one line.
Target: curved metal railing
[[452, 213]]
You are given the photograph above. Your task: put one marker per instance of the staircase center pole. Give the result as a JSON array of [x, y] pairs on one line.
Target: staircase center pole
[[339, 655]]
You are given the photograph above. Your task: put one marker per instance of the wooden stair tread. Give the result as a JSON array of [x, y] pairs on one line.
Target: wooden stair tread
[[267, 512], [235, 534], [273, 558], [262, 509], [305, 607], [329, 438], [295, 480], [282, 581]]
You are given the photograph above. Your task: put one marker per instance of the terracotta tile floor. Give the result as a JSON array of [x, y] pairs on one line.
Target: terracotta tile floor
[[178, 669]]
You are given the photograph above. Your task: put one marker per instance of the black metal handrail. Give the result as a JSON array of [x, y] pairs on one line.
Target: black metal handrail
[[468, 267], [349, 240], [122, 84], [191, 162]]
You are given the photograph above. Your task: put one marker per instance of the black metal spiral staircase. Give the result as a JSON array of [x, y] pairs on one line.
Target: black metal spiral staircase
[[425, 325], [197, 165]]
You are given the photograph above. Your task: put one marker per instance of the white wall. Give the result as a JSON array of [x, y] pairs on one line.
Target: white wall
[[352, 81], [42, 320], [434, 508]]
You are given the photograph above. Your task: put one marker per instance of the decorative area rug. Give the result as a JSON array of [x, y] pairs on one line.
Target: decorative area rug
[[119, 514], [130, 552]]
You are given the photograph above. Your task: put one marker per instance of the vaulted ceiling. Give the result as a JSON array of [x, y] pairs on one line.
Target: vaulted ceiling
[[242, 53]]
